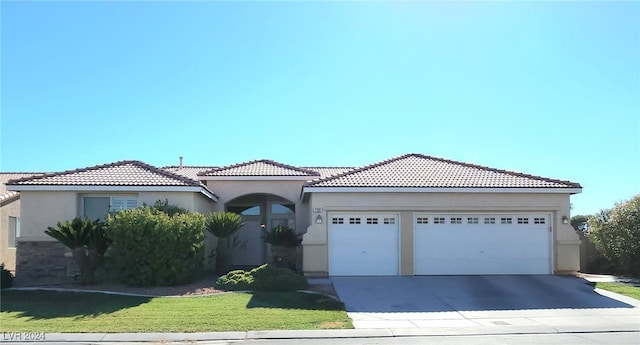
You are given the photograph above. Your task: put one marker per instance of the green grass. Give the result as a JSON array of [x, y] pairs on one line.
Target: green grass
[[623, 289], [48, 311]]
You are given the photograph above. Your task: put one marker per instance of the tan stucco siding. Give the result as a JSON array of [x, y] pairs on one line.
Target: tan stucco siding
[[40, 210], [565, 241], [8, 254], [228, 190], [188, 200]]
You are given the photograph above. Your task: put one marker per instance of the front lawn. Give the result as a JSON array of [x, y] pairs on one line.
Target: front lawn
[[48, 311], [623, 289]]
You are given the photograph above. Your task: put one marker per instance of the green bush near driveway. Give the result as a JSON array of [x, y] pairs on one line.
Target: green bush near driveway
[[263, 278], [151, 248], [47, 311]]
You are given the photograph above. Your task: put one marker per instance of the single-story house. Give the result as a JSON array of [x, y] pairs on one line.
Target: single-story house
[[409, 215]]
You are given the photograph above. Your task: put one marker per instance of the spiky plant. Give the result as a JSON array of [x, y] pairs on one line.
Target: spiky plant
[[223, 225], [87, 240]]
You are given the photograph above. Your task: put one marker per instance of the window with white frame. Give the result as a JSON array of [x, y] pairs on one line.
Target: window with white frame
[[97, 207], [14, 231]]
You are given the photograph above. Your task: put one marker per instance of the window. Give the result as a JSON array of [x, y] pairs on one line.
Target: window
[[389, 220], [472, 220], [490, 220], [282, 209], [539, 220], [456, 220], [336, 220], [438, 220], [523, 220], [354, 220], [372, 220], [98, 207], [14, 231], [422, 220], [506, 220], [245, 210]]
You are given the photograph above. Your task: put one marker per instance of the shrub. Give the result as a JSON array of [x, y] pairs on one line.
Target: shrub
[[283, 240], [151, 248], [283, 236], [263, 278], [87, 240], [6, 278], [169, 209], [616, 234]]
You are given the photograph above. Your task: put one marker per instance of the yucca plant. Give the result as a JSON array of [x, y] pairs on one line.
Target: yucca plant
[[87, 240], [223, 225]]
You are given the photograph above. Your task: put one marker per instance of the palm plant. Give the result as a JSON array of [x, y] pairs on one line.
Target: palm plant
[[223, 225], [283, 241], [87, 240]]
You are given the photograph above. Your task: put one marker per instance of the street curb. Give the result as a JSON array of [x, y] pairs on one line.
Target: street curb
[[326, 334]]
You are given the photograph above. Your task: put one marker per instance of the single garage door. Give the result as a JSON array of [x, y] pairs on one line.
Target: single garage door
[[363, 244], [464, 244]]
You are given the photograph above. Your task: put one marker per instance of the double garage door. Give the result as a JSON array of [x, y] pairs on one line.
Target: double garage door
[[443, 244]]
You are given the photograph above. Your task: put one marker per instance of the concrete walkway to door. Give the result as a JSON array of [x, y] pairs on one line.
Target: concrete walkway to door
[[468, 303]]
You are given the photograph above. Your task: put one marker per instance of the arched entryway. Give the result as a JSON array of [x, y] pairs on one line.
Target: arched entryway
[[260, 212]]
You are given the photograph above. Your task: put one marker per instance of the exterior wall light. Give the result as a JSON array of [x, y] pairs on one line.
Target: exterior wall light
[[565, 220], [319, 219]]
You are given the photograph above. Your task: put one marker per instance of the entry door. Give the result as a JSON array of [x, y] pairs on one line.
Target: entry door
[[249, 250], [363, 244], [468, 244]]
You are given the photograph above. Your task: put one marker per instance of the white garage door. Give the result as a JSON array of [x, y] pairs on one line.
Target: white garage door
[[451, 244], [363, 244]]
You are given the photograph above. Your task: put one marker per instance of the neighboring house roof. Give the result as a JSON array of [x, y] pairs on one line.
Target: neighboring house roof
[[134, 174], [420, 171], [188, 171], [328, 171], [262, 168], [8, 195]]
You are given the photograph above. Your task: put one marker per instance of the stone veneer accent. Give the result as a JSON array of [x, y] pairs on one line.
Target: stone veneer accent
[[44, 262]]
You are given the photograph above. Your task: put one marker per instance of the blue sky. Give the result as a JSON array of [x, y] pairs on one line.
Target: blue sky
[[545, 88]]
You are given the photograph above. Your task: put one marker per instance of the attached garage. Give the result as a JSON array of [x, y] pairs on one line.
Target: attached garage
[[363, 244], [451, 218], [467, 244]]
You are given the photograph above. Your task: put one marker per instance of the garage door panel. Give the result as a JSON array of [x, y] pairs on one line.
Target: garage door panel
[[364, 249], [479, 248]]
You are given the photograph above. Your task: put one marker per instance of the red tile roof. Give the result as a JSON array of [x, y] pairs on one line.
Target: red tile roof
[[260, 168], [420, 171], [188, 170], [328, 171], [123, 173], [7, 195]]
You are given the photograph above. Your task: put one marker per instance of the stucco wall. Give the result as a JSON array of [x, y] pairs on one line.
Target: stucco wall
[[228, 190], [315, 251], [40, 210], [8, 255]]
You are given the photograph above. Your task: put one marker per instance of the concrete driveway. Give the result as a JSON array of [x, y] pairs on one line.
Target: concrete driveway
[[455, 302]]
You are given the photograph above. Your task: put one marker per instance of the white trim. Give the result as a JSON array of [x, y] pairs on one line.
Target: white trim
[[93, 188], [257, 178], [438, 190]]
